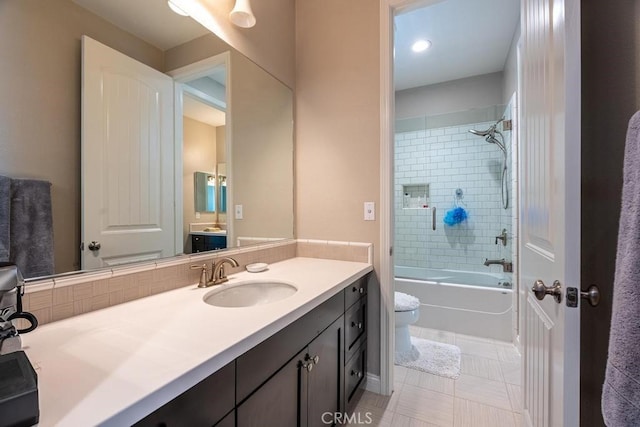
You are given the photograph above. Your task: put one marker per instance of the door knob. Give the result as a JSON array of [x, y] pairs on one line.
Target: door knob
[[592, 295], [541, 290], [94, 246]]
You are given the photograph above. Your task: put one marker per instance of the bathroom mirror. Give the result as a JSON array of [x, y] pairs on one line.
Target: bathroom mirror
[[204, 192], [41, 112]]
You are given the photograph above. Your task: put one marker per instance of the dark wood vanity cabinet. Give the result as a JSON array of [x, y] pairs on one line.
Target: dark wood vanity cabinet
[[308, 386], [210, 402], [313, 367]]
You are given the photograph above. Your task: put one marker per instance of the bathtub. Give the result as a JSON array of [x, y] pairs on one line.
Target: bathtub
[[470, 303]]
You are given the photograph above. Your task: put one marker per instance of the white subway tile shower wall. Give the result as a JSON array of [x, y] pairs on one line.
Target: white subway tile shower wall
[[446, 159]]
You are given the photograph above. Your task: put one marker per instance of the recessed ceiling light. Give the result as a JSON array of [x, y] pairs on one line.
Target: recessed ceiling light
[[421, 45], [176, 9]]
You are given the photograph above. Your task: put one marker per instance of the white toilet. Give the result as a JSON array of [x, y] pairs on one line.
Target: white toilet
[[407, 313]]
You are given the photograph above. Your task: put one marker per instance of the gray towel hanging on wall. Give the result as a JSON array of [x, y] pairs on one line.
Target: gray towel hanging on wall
[[26, 220]]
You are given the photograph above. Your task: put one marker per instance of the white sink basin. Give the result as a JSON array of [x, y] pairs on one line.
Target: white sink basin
[[249, 293]]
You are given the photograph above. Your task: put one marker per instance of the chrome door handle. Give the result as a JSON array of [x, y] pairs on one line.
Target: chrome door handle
[[94, 246], [541, 290], [592, 295]]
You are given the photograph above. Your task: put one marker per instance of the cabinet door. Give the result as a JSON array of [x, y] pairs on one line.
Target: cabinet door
[[325, 393], [204, 404], [279, 402]]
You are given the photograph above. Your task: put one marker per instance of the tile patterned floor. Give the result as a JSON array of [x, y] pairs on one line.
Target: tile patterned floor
[[487, 394]]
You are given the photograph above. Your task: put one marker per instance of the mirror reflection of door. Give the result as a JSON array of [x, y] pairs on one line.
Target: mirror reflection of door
[[127, 159], [204, 149]]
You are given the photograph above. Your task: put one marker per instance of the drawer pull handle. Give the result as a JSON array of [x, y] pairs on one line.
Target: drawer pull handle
[[361, 290], [358, 325], [356, 374], [312, 361], [356, 289]]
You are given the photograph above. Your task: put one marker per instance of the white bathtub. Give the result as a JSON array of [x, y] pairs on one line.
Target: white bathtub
[[459, 301]]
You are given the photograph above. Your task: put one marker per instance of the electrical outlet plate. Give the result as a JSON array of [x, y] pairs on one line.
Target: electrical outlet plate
[[238, 211], [369, 211]]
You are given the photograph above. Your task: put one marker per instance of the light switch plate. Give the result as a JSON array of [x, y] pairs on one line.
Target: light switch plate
[[369, 211], [238, 211]]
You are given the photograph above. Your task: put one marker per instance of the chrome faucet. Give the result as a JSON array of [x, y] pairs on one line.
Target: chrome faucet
[[507, 266], [218, 275]]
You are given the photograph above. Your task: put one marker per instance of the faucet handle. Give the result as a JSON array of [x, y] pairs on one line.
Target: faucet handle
[[202, 282]]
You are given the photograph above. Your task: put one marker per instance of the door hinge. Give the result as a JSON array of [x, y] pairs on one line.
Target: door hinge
[[391, 251], [82, 246]]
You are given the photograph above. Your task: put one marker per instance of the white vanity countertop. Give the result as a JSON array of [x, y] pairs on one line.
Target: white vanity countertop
[[209, 233], [114, 366]]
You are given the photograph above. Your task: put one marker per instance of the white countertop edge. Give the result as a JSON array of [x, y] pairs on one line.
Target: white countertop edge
[[158, 398]]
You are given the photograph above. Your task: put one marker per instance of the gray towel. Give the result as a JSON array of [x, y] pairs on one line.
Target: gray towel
[[621, 391], [31, 227], [5, 215]]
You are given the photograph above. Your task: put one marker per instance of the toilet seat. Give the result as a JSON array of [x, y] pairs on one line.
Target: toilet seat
[[405, 302]]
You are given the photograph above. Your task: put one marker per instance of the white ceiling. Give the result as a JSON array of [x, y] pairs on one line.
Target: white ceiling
[[150, 20], [470, 38]]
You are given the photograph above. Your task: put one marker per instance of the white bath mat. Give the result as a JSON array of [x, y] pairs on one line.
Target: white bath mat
[[431, 357]]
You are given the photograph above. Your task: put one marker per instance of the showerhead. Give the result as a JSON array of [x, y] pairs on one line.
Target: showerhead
[[489, 131], [489, 135]]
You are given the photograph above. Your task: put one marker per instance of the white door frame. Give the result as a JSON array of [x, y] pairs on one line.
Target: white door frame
[[388, 8], [181, 75]]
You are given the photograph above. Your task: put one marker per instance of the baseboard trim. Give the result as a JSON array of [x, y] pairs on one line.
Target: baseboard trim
[[373, 384]]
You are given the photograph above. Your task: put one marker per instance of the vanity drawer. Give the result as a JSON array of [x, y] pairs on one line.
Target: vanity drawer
[[355, 374], [355, 291], [355, 325]]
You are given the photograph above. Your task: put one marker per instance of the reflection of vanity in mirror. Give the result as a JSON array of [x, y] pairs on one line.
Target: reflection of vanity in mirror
[[210, 193], [249, 154]]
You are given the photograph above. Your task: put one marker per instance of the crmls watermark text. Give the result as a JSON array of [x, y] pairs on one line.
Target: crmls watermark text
[[340, 418]]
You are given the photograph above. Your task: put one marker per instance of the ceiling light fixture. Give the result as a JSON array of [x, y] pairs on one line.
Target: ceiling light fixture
[[176, 9], [241, 15], [421, 46]]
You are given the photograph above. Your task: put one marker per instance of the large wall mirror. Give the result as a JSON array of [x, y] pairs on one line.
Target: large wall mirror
[[232, 122]]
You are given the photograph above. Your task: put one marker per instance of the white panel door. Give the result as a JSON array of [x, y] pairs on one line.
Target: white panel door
[[127, 159], [550, 209]]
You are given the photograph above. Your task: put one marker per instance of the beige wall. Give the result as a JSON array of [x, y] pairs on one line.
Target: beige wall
[[221, 155], [198, 155], [338, 128], [40, 102], [261, 168]]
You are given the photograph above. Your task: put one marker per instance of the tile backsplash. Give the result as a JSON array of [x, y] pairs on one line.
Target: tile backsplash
[[74, 294]]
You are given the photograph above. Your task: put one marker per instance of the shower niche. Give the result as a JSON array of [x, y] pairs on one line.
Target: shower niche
[[415, 196]]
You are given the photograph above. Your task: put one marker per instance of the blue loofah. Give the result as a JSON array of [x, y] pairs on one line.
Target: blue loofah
[[455, 216]]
